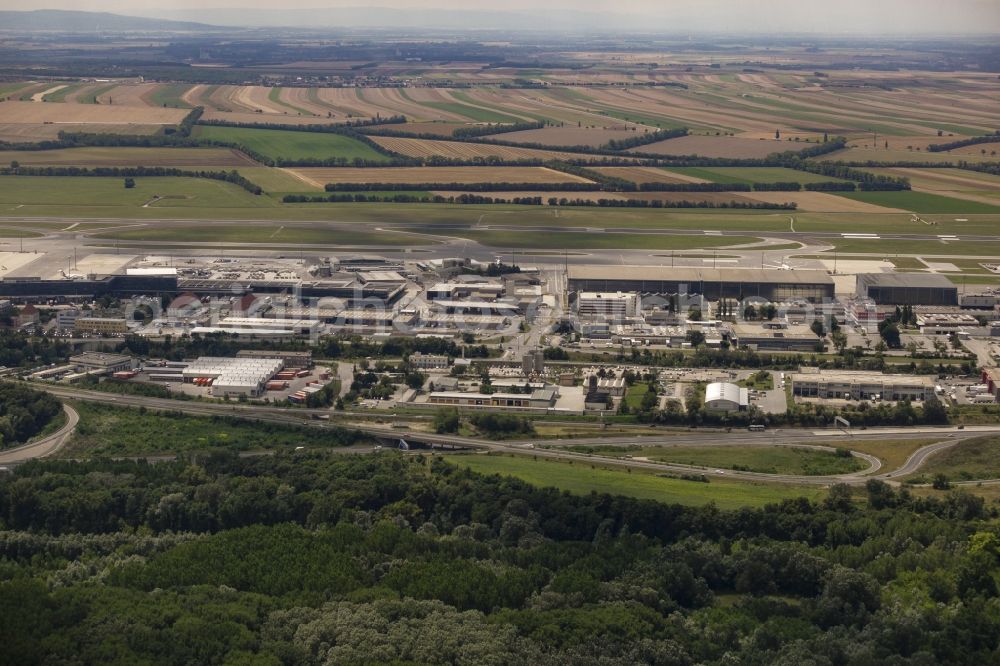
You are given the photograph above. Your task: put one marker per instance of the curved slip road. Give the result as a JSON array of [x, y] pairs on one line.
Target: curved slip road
[[45, 446], [554, 450]]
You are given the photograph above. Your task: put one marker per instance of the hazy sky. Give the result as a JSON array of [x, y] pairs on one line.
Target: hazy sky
[[836, 16]]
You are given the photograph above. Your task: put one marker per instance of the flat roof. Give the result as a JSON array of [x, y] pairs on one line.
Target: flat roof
[[693, 274], [850, 376], [933, 280]]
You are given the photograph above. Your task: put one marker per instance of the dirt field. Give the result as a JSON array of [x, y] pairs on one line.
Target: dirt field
[[322, 175], [717, 146], [264, 118], [639, 174], [568, 136], [458, 150], [29, 113], [128, 156], [819, 202], [442, 129], [30, 133]]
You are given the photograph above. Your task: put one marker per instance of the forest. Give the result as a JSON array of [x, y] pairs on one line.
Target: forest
[[24, 413], [314, 558]]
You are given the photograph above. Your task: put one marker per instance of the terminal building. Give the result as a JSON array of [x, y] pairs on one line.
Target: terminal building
[[711, 283], [907, 289]]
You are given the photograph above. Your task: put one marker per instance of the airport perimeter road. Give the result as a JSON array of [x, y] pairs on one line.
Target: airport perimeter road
[[554, 449], [45, 446]]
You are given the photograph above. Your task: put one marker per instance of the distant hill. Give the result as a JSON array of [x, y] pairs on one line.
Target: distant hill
[[54, 20]]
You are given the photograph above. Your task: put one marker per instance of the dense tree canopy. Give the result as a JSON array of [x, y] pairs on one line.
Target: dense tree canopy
[[326, 559]]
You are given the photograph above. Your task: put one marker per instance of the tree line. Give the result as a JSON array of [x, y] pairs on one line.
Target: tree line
[[961, 143]]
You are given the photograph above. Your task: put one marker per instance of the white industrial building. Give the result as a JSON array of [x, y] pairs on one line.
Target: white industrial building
[[234, 376], [726, 397], [616, 305], [261, 326]]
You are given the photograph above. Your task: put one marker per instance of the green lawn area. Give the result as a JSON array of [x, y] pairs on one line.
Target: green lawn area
[[921, 202], [8, 232], [748, 175], [60, 95], [109, 193], [107, 430], [635, 394], [892, 452], [292, 145], [765, 459], [799, 460], [595, 241], [581, 478], [890, 248], [970, 460], [265, 233]]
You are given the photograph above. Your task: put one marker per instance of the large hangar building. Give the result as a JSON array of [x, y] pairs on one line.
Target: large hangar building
[[712, 283]]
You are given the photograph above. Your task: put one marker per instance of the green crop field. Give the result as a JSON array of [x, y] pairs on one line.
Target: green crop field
[[582, 478], [921, 202], [170, 95], [748, 175], [272, 179], [292, 145]]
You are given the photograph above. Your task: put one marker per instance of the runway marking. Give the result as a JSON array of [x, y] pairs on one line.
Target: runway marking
[[72, 226], [713, 233], [278, 231], [862, 236]]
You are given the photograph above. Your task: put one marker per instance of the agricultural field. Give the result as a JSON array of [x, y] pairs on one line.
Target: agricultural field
[[820, 202], [425, 148], [466, 175], [750, 175], [93, 116], [195, 158], [716, 146], [583, 478], [292, 145], [568, 136], [641, 174], [956, 183]]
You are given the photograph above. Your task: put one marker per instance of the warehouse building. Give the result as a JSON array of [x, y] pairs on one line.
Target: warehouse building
[[422, 361], [102, 363], [907, 289], [859, 385], [726, 397], [291, 359], [537, 399], [233, 377], [712, 283]]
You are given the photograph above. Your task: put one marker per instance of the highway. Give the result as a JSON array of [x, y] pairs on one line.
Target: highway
[[555, 449]]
